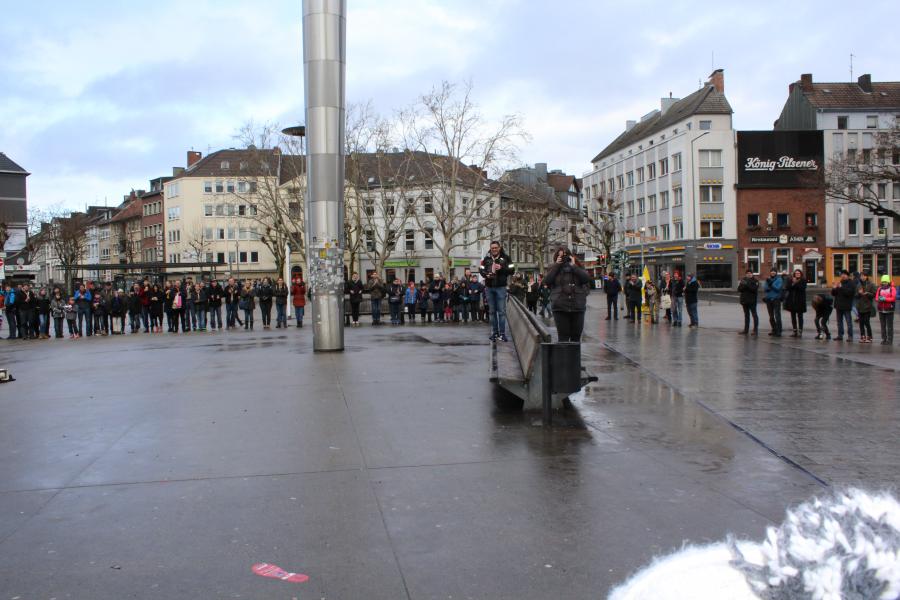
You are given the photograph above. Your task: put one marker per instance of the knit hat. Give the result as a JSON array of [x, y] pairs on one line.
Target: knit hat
[[885, 279], [843, 546]]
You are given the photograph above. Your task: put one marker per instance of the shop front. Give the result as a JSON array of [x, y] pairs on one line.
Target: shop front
[[786, 253], [714, 263], [878, 260]]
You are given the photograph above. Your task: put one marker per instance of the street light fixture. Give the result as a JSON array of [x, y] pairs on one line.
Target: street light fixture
[[641, 231]]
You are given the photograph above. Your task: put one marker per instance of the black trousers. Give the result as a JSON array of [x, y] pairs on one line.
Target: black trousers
[[354, 311], [887, 326], [569, 325], [265, 307], [750, 310], [865, 325], [774, 308], [821, 322], [612, 305], [797, 321], [634, 310]]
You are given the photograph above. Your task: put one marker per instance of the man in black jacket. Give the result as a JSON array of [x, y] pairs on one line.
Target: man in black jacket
[[214, 298], [748, 289], [677, 299], [633, 299], [844, 291], [495, 268], [354, 288], [612, 287]]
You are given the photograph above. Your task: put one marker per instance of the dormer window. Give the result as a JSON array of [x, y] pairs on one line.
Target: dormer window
[[225, 165]]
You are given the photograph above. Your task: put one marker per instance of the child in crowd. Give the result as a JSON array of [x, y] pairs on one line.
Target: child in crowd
[[70, 314]]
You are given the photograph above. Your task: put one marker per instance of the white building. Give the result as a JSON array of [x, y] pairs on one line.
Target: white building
[[851, 115], [672, 177]]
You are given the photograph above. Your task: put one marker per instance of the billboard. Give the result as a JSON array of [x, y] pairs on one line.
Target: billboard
[[780, 159]]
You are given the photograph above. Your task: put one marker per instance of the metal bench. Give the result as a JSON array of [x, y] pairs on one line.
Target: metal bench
[[533, 367]]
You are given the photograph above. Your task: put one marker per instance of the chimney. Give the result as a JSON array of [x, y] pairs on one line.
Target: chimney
[[666, 103], [176, 171], [540, 170], [806, 83], [193, 158], [717, 80], [865, 83], [629, 124]]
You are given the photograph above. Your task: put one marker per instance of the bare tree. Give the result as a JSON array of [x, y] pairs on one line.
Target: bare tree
[[198, 242], [65, 236], [599, 232], [455, 149], [531, 217], [855, 178], [272, 182]]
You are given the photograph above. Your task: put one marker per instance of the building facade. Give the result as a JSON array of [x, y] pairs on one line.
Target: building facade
[[153, 243], [672, 179], [781, 202], [13, 215], [851, 117]]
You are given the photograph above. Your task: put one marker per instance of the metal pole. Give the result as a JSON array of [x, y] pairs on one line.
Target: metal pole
[[324, 61]]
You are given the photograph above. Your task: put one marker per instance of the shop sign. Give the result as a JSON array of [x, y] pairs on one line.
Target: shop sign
[[783, 239], [780, 159], [712, 246]]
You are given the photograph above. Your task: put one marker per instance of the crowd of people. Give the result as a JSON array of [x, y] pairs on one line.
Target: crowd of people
[[673, 294], [98, 309]]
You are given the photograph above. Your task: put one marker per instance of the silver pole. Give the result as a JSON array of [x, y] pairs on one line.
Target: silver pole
[[324, 61]]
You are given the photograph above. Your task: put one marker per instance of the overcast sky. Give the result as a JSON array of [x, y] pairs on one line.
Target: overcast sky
[[98, 97]]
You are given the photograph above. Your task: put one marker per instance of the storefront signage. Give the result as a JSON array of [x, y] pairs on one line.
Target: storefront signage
[[780, 159], [712, 246], [783, 239]]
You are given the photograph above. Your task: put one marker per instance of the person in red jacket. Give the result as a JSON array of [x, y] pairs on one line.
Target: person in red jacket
[[885, 301], [145, 306], [298, 299]]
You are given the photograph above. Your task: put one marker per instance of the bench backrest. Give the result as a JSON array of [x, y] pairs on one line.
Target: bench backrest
[[527, 334]]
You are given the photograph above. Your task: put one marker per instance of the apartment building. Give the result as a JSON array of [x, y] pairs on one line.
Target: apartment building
[[671, 176]]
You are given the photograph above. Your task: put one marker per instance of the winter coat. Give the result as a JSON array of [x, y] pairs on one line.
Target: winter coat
[[691, 291], [396, 292], [230, 293], [377, 290], [796, 296], [248, 299], [677, 288], [57, 307], [568, 287], [865, 297], [42, 304], [135, 302], [355, 290], [475, 291], [823, 309], [201, 299], [157, 302], [612, 287], [117, 306], [633, 291], [748, 289], [772, 288], [886, 298], [214, 294], [298, 294], [498, 278], [264, 293], [843, 295], [651, 293], [410, 295], [281, 294], [82, 299], [533, 292], [423, 299]]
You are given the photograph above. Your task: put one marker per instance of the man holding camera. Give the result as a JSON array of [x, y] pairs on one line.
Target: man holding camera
[[495, 268]]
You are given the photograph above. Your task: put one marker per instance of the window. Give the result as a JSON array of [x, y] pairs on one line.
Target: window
[[429, 238], [207, 210], [783, 220], [254, 233], [225, 165], [838, 264], [710, 158], [842, 122], [663, 167], [611, 185], [754, 260], [664, 229], [782, 259], [174, 212], [895, 189], [812, 220], [853, 227], [653, 233], [254, 256], [232, 257], [705, 124], [220, 233], [220, 257], [853, 263], [242, 257], [229, 186], [620, 181], [427, 206], [710, 193], [629, 176], [868, 263], [710, 229], [220, 187], [629, 209], [173, 190], [370, 240], [207, 187], [676, 162], [220, 210], [867, 226], [882, 191], [651, 171], [872, 122], [410, 239], [679, 231], [640, 175], [640, 206], [174, 235], [242, 187], [895, 265], [678, 196], [753, 221], [231, 233], [389, 207], [882, 225], [851, 154], [208, 233], [651, 202], [663, 200]]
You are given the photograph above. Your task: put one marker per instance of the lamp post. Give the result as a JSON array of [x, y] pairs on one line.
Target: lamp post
[[641, 232]]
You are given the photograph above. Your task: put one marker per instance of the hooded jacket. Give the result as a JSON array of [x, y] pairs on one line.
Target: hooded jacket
[[772, 288], [886, 298], [568, 287]]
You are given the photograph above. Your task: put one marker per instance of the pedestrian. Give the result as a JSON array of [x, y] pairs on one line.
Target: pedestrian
[[354, 289], [436, 294], [865, 305], [12, 311], [462, 292], [611, 287], [264, 295], [298, 299], [117, 309], [476, 294], [190, 299], [569, 287], [666, 295], [633, 298], [844, 293], [410, 298], [651, 298], [773, 289], [795, 303], [247, 304], [495, 268], [885, 302], [422, 302], [135, 308], [201, 304], [231, 294], [145, 306], [43, 313], [377, 291], [395, 300], [178, 308], [157, 307], [532, 294], [517, 287], [27, 302], [71, 313], [822, 305], [58, 312], [280, 293], [168, 299], [748, 288], [691, 299], [84, 301], [102, 306], [677, 299], [214, 295]]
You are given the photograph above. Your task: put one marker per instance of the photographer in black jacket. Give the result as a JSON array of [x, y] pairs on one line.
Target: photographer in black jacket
[[568, 284]]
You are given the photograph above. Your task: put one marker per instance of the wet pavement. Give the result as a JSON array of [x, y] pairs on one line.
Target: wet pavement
[[165, 467]]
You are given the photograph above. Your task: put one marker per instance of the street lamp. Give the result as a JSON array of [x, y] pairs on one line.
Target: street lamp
[[641, 231]]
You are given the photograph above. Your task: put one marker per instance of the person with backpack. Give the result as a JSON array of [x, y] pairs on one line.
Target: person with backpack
[[773, 289], [885, 303], [844, 294], [748, 290], [568, 283]]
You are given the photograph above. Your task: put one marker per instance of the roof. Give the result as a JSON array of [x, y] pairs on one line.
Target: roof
[[211, 165], [705, 101], [561, 183], [411, 167], [7, 165], [133, 210], [884, 95]]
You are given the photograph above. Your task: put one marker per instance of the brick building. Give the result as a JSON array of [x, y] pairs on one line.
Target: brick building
[[781, 202]]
